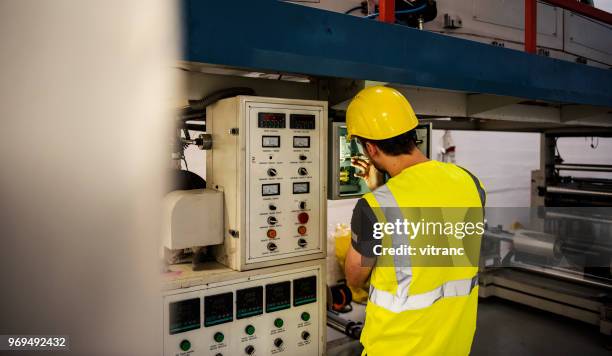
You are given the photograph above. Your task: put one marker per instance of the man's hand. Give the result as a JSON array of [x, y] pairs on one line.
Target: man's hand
[[369, 174]]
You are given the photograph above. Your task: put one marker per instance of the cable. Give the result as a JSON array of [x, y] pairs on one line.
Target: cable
[[186, 166], [402, 12], [353, 9]]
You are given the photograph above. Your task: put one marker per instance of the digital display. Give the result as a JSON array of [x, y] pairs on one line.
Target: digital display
[[270, 189], [278, 296], [218, 309], [301, 141], [270, 141], [249, 302], [271, 120], [301, 121], [184, 315], [304, 291], [301, 188]]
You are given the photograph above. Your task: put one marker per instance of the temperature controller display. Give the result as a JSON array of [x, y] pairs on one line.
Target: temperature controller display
[[271, 120], [218, 309], [278, 296], [304, 290], [184, 315], [301, 121], [249, 302]]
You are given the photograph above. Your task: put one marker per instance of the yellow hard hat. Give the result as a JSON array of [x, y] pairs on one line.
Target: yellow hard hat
[[379, 113]]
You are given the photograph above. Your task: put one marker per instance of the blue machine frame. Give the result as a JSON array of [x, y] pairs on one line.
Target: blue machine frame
[[271, 35]]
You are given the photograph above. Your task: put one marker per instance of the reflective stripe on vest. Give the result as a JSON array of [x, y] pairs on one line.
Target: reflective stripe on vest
[[400, 303], [392, 213]]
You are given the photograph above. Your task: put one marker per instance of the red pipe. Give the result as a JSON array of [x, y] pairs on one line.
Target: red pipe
[[386, 9], [531, 25], [583, 9]]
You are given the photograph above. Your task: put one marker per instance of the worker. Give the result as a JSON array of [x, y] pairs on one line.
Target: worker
[[411, 309]]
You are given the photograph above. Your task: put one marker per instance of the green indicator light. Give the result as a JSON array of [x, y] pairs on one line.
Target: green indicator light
[[185, 345], [278, 322], [250, 330], [305, 316], [219, 337]]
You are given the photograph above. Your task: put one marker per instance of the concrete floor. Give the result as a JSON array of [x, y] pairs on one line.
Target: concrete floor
[[506, 328]]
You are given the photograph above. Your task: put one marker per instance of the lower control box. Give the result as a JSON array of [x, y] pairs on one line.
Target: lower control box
[[270, 311]]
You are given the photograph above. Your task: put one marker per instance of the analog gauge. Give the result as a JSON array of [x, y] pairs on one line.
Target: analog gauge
[[270, 141], [301, 188], [301, 141], [270, 189]]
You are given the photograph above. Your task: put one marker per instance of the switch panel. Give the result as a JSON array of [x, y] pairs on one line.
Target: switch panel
[[268, 158], [270, 311]]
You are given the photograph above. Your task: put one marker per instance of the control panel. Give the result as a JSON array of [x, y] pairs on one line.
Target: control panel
[[344, 183], [268, 158], [272, 311]]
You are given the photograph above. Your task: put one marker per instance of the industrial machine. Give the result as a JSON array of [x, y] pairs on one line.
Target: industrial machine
[[271, 311], [562, 261], [343, 183], [561, 33], [268, 160]]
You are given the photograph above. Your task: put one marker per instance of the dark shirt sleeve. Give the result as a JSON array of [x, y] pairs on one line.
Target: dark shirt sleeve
[[362, 227]]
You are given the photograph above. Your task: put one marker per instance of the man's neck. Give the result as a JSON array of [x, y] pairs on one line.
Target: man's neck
[[396, 164]]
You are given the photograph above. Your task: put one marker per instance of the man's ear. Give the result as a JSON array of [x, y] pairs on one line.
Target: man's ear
[[371, 149]]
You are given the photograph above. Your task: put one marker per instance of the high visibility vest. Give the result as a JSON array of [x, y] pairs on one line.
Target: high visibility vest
[[417, 310]]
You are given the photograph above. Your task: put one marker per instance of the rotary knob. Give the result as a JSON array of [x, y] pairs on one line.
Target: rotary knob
[[302, 171], [272, 220], [272, 246], [249, 350], [272, 172], [278, 342]]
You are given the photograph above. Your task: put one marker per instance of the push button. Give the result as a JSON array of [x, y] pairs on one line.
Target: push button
[[305, 316], [185, 345], [303, 218], [278, 322], [219, 337], [249, 330]]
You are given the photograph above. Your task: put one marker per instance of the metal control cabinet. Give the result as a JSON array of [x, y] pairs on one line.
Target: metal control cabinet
[[268, 158], [271, 311]]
